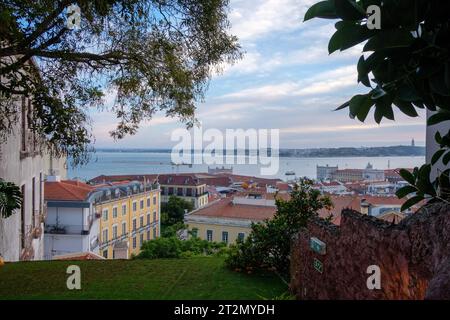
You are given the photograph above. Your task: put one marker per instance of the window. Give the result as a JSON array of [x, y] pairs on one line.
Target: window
[[114, 235], [148, 218], [134, 224], [105, 235], [141, 204], [105, 254], [194, 232], [209, 235], [134, 242], [134, 206], [148, 234], [154, 233], [105, 214], [124, 209], [124, 228], [114, 212], [141, 221], [154, 200], [148, 202], [225, 236], [141, 238], [154, 216], [241, 236]]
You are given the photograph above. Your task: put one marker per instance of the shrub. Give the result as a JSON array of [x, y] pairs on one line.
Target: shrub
[[268, 244], [175, 248]]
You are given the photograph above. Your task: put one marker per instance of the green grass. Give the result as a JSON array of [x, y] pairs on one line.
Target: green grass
[[193, 278]]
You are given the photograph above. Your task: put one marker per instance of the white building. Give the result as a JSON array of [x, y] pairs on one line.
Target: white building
[[371, 174], [71, 225], [25, 162], [325, 172]]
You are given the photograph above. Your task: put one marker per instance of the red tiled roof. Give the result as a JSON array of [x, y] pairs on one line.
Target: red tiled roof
[[79, 256], [224, 208], [179, 179], [70, 190], [123, 178]]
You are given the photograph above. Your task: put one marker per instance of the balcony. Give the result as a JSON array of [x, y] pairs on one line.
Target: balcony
[[67, 229]]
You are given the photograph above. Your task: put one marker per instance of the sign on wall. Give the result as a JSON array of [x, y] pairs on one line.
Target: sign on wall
[[317, 246], [318, 265]]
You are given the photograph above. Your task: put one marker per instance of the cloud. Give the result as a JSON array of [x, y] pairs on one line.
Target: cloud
[[256, 18]]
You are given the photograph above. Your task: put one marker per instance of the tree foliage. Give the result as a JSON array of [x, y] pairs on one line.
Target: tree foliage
[[175, 248], [405, 66], [173, 211], [269, 243], [10, 198], [146, 55]]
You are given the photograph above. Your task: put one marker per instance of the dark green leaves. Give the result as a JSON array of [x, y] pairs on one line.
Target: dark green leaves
[[406, 107], [349, 10], [389, 39], [10, 198], [323, 9], [360, 106], [440, 116], [347, 35], [410, 202]]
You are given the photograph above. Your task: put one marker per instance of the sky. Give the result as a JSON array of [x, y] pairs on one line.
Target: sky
[[286, 81]]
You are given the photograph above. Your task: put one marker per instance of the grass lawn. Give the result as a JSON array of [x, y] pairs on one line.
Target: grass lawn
[[193, 278]]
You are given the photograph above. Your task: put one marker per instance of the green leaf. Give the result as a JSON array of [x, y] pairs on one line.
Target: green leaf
[[408, 176], [437, 155], [397, 38], [410, 202], [446, 158], [360, 106], [438, 117], [404, 191], [407, 108], [343, 106], [348, 35], [349, 10], [323, 9], [363, 73]]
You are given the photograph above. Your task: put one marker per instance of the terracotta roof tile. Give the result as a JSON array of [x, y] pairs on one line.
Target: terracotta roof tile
[[224, 208], [69, 190]]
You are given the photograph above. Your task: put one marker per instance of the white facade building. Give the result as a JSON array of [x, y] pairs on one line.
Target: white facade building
[[25, 162]]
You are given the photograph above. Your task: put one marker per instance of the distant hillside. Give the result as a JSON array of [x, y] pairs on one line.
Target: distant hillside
[[393, 151]]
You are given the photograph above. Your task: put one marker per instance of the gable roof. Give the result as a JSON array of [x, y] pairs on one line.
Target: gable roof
[[67, 190]]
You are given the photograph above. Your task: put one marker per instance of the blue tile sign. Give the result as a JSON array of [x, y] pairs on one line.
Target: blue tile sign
[[318, 265], [317, 245]]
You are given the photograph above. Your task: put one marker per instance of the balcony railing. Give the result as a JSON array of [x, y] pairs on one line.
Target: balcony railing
[[67, 229]]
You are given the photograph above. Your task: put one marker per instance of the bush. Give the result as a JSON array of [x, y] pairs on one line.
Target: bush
[[160, 248], [268, 244], [175, 248]]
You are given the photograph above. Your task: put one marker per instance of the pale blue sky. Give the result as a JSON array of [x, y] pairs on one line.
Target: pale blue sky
[[286, 80]]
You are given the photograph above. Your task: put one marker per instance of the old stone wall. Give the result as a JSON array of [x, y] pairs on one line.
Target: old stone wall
[[413, 257]]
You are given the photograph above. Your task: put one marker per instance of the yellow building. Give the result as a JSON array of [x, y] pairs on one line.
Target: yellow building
[[129, 215], [227, 219], [186, 186]]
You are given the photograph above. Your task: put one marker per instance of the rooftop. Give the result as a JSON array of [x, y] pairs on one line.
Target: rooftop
[[67, 190], [225, 208]]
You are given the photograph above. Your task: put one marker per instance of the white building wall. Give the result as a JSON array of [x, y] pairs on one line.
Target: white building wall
[[21, 172]]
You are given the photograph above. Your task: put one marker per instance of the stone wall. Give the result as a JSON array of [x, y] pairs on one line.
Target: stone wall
[[413, 256]]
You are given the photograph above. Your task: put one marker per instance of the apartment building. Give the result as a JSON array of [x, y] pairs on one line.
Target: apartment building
[[112, 220], [25, 161], [130, 215], [228, 219], [184, 185]]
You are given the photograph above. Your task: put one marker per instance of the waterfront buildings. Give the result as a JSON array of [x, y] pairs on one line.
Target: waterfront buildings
[[325, 172]]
